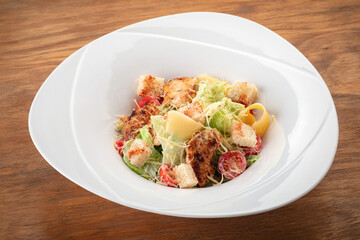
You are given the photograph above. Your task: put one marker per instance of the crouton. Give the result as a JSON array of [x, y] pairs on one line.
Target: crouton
[[243, 135], [139, 152], [179, 91], [243, 92], [199, 152], [185, 176], [150, 86], [194, 110], [137, 119]]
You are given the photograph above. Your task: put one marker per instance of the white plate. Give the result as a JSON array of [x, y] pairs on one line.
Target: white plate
[[273, 64]]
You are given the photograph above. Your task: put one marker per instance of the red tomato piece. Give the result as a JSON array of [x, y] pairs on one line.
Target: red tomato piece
[[148, 99], [254, 150], [167, 176], [119, 144], [232, 164]]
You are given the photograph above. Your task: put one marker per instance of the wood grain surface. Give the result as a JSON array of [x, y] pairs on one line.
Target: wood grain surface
[[36, 202]]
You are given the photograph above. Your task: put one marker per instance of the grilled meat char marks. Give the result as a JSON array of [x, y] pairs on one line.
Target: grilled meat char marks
[[137, 119], [200, 150]]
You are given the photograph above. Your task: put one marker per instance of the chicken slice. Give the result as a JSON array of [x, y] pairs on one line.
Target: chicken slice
[[137, 119], [200, 150], [179, 91]]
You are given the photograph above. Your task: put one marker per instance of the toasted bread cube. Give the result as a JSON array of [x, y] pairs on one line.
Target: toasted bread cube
[[185, 176], [150, 86], [243, 92], [243, 135], [194, 110], [139, 152]]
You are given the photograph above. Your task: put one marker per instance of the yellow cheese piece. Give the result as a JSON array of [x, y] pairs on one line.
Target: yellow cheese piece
[[228, 87], [181, 126], [207, 78], [260, 125]]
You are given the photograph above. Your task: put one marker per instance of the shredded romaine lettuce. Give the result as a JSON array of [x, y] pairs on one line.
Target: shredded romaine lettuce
[[209, 93], [220, 115], [172, 147]]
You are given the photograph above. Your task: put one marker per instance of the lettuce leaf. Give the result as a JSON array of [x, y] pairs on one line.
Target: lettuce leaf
[[209, 93], [172, 148], [250, 159], [220, 115]]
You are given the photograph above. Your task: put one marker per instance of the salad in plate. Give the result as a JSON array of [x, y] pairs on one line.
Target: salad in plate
[[192, 132]]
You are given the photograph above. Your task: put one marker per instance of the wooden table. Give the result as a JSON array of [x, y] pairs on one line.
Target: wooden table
[[36, 202]]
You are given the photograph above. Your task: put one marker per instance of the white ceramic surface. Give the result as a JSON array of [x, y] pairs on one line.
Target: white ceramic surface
[[100, 85]]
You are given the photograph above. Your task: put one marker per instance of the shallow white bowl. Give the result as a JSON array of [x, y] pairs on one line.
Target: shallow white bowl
[[104, 82]]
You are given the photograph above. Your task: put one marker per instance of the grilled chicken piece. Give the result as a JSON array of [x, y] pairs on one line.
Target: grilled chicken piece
[[200, 150], [179, 91], [137, 119]]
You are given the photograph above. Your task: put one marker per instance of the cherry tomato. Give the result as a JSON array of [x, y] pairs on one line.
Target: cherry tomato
[[167, 176], [254, 150], [119, 144], [232, 164], [145, 100]]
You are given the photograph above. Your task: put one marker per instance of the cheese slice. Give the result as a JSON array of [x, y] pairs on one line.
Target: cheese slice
[[207, 78], [181, 126]]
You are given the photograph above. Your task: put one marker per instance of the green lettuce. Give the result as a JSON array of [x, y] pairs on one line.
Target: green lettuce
[[172, 148], [250, 159], [209, 93], [220, 115]]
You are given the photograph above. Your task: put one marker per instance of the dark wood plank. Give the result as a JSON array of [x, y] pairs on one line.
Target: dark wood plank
[[39, 203]]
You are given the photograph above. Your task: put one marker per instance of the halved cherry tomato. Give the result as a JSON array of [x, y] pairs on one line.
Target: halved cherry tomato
[[119, 144], [148, 99], [254, 150], [167, 176], [232, 164]]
